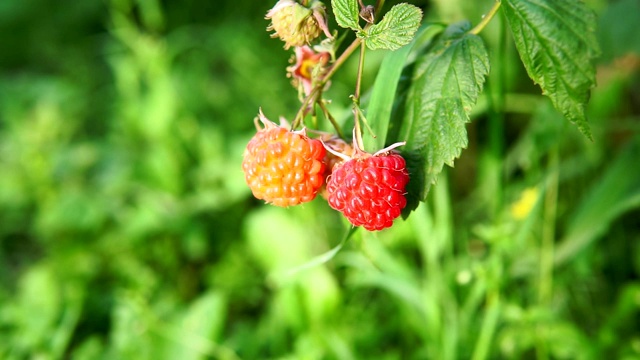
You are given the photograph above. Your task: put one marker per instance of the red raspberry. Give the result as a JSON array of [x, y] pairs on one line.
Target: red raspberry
[[369, 190], [282, 167]]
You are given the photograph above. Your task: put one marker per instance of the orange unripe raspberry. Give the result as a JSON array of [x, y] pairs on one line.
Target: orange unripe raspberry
[[282, 167]]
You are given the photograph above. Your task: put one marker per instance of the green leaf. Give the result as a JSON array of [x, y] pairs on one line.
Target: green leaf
[[195, 331], [346, 13], [616, 192], [322, 258], [557, 43], [446, 85], [383, 94], [382, 97], [395, 30]]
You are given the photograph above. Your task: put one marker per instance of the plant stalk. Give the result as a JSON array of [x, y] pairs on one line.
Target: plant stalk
[[356, 100], [315, 93], [378, 7], [340, 60], [486, 19]]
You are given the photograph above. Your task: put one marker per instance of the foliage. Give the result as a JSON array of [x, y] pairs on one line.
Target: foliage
[[556, 41], [127, 231], [446, 84], [393, 31]]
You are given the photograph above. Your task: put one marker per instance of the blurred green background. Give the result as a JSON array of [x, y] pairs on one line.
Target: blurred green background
[[127, 231]]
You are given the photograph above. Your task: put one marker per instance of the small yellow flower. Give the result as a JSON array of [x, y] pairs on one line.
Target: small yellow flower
[[521, 208]]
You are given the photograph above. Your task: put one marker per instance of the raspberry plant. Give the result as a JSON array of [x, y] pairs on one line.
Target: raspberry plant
[[426, 115]]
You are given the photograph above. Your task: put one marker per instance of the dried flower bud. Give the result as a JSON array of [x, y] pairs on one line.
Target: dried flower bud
[[297, 25], [368, 14]]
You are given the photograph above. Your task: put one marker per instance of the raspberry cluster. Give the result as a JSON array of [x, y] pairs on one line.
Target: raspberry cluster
[[287, 168]]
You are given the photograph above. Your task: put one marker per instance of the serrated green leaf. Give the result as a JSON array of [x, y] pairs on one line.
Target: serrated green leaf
[[557, 43], [346, 13], [383, 93], [396, 28], [447, 82]]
